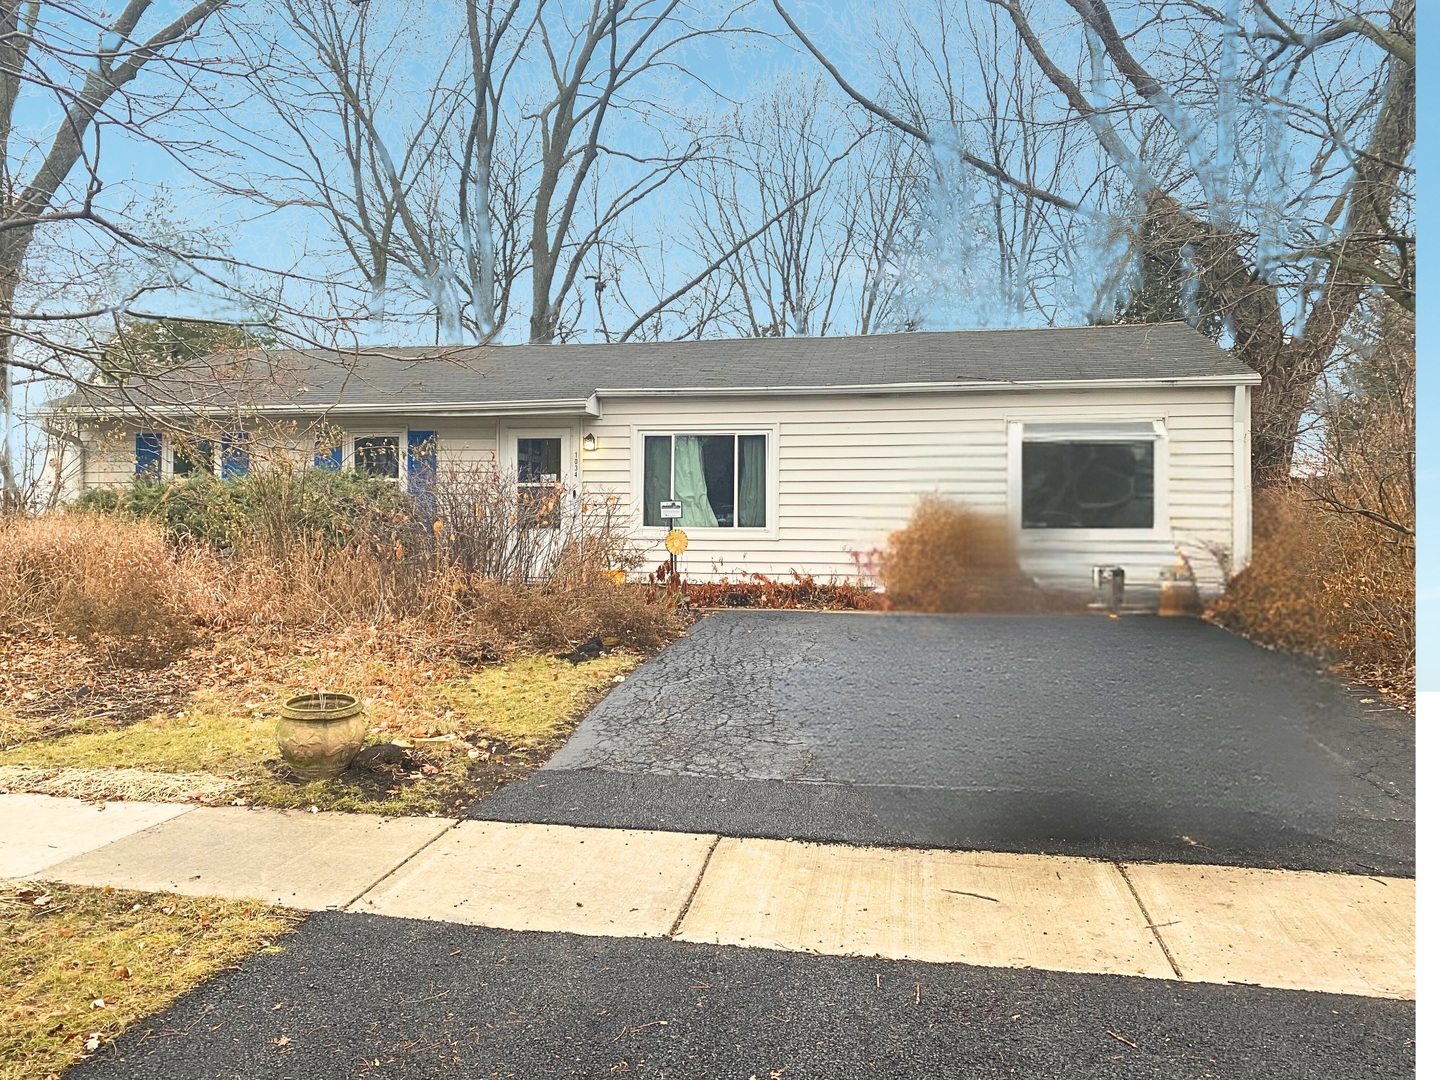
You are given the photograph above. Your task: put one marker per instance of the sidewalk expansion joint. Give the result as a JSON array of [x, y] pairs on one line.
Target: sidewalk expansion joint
[[399, 866], [1150, 923], [685, 907]]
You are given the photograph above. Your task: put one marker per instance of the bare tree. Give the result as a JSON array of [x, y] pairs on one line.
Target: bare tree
[[504, 165], [357, 140], [1357, 456], [1164, 109], [599, 67], [786, 158], [492, 196], [51, 175]]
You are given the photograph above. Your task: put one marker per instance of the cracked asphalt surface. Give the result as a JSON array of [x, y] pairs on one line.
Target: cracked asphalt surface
[[357, 996], [1136, 738]]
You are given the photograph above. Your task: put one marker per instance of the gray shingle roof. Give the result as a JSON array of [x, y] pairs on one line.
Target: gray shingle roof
[[506, 374]]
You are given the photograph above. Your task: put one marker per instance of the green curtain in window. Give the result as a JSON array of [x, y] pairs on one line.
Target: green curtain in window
[[750, 514], [657, 477], [690, 487]]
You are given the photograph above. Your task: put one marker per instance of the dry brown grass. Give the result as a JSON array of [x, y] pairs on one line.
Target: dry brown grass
[[429, 645], [951, 558], [108, 783], [113, 586], [1334, 585], [80, 965]]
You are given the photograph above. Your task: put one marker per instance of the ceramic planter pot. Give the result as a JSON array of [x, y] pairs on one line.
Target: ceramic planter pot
[[320, 734]]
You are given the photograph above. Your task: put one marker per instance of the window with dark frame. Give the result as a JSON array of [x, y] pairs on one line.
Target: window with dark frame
[[192, 457], [1088, 485], [719, 480], [378, 456]]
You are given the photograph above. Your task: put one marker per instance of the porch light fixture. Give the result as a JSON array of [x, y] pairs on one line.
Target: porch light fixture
[[588, 442]]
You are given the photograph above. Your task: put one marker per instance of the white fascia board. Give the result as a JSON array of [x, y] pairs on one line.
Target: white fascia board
[[564, 407], [975, 386]]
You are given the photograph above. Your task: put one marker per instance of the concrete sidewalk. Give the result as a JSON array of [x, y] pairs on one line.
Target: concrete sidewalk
[[1287, 929]]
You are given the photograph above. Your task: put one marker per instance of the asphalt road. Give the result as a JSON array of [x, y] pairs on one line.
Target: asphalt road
[[1139, 738], [355, 996]]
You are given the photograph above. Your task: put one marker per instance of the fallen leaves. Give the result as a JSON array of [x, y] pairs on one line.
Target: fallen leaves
[[51, 684], [74, 985]]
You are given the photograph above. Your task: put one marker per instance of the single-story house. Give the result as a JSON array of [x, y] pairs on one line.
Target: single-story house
[[1112, 446]]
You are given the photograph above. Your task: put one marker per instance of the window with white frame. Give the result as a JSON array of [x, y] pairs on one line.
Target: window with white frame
[[711, 480], [1089, 475], [184, 456]]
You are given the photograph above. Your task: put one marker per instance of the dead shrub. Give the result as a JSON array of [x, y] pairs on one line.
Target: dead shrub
[[478, 586], [312, 587], [801, 591], [1339, 586], [547, 618], [110, 583], [952, 558]]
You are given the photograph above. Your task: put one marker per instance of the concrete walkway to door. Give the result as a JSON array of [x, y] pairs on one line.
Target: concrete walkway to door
[[1137, 738]]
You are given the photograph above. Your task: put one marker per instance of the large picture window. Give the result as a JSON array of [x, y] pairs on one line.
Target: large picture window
[[718, 480], [1088, 485]]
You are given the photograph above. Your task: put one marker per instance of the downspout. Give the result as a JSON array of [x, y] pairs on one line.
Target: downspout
[[1242, 512]]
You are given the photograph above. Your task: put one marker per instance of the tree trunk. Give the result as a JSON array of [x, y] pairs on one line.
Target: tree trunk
[[1366, 244]]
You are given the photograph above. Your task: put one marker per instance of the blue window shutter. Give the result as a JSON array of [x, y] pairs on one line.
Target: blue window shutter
[[147, 456], [329, 457], [234, 457], [420, 462]]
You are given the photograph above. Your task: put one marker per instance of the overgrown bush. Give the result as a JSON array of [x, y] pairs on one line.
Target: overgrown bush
[[952, 558], [548, 618], [273, 508], [277, 554], [115, 587], [480, 524], [1335, 585]]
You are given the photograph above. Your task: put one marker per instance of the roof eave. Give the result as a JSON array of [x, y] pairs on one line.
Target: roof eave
[[1248, 378], [591, 405], [588, 406]]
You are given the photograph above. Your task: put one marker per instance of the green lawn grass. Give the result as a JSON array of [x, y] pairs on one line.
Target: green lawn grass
[[527, 705]]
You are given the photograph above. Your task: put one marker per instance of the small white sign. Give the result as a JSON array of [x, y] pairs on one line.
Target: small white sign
[[669, 508]]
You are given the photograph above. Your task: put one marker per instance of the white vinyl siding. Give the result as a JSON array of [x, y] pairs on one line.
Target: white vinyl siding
[[849, 470], [846, 470]]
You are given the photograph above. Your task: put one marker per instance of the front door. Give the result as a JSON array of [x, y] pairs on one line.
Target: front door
[[540, 460]]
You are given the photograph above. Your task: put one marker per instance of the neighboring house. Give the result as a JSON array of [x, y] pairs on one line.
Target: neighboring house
[[1106, 446]]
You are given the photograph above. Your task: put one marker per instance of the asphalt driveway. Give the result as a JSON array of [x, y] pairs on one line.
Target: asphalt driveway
[[1130, 738], [354, 996]]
